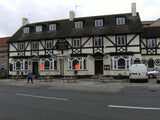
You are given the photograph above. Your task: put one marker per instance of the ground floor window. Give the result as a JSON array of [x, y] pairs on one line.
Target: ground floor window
[[121, 62], [77, 63], [20, 64], [48, 64]]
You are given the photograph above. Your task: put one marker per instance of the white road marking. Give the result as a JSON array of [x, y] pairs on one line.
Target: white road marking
[[44, 97], [133, 107]]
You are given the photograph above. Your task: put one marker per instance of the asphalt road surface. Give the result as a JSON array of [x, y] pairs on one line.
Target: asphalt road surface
[[19, 103]]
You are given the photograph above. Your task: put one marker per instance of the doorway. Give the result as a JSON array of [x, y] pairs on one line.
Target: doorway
[[98, 67], [35, 67]]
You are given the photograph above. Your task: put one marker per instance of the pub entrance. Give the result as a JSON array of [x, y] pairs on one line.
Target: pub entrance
[[35, 66], [98, 67]]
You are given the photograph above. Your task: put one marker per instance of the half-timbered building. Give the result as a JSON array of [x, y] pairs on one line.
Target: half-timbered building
[[105, 45]]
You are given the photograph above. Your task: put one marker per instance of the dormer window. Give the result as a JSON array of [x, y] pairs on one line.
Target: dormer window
[[39, 28], [120, 21], [52, 27], [26, 30], [99, 23], [79, 24]]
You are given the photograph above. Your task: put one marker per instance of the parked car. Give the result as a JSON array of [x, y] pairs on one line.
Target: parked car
[[153, 73], [138, 72], [158, 76]]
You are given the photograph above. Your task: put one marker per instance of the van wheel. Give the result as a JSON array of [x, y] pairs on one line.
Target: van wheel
[[151, 76]]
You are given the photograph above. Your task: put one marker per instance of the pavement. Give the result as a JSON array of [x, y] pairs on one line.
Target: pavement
[[113, 86]]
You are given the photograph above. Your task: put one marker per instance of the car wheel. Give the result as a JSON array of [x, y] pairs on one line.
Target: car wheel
[[151, 76]]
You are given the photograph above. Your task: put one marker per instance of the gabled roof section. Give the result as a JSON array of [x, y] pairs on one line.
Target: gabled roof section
[[66, 28], [3, 41]]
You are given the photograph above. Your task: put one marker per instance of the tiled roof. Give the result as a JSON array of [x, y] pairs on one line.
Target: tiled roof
[[147, 22], [65, 28], [149, 32], [3, 41]]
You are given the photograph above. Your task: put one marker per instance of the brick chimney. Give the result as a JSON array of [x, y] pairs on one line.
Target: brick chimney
[[134, 9]]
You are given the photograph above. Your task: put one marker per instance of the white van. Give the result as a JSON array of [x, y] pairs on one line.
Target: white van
[[138, 72]]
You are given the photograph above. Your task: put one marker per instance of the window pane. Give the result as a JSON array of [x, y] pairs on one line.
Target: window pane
[[79, 24], [18, 65], [120, 21], [98, 41], [46, 65], [35, 45], [52, 27], [49, 44], [38, 28], [99, 23], [76, 42], [121, 40]]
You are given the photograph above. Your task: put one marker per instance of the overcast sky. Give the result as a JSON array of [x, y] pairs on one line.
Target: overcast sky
[[12, 11]]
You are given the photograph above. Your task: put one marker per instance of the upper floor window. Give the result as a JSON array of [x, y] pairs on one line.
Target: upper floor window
[[39, 28], [52, 27], [26, 30], [49, 44], [97, 41], [76, 42], [35, 45], [79, 24], [21, 46], [99, 23], [120, 21], [121, 40], [3, 62], [151, 43]]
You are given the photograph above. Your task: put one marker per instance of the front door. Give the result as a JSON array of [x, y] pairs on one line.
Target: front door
[[35, 67], [98, 67]]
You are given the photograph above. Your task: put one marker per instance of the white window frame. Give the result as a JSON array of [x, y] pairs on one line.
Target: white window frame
[[79, 24], [51, 61], [76, 42], [151, 43], [99, 23], [120, 21], [39, 28], [49, 44], [22, 64], [115, 60], [25, 29], [81, 62], [121, 40], [52, 27], [35, 45], [3, 62], [21, 46], [98, 41]]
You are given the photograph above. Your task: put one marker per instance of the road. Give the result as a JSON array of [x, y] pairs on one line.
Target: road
[[19, 103]]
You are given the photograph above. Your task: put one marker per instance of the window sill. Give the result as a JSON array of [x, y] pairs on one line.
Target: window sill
[[119, 69], [78, 70]]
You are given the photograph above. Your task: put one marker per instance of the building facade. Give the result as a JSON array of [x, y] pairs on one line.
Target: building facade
[[4, 57], [105, 45]]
